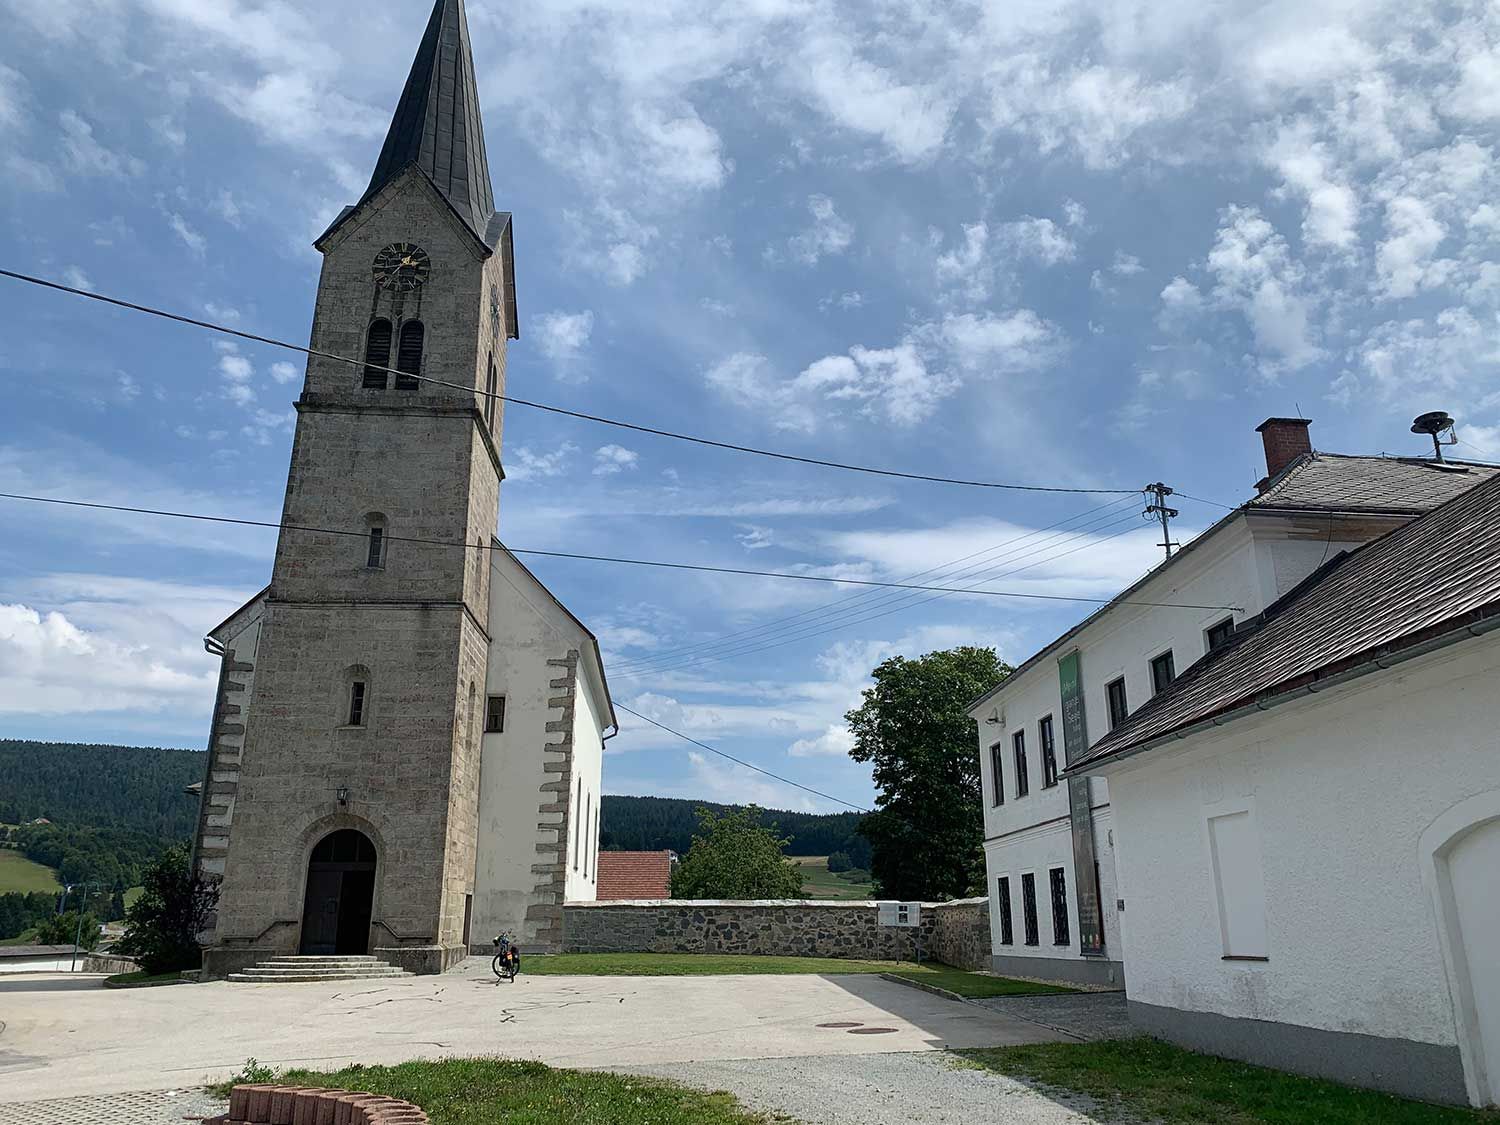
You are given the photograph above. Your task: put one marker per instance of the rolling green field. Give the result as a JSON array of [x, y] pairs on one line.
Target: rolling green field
[[17, 873], [819, 882]]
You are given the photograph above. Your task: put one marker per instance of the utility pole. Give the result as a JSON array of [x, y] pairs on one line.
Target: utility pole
[[1160, 510]]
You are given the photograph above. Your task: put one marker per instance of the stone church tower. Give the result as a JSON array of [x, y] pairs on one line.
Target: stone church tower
[[362, 720]]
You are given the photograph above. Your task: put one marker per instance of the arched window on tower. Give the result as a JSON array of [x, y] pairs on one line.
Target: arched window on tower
[[375, 540], [377, 354], [491, 386], [409, 355]]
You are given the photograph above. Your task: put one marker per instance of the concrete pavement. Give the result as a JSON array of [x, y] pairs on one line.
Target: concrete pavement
[[65, 1036]]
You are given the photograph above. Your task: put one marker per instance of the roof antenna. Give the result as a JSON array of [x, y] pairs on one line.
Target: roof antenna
[[1435, 423]]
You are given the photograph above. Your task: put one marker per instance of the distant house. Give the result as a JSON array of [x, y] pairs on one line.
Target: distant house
[[39, 820], [627, 875], [1308, 823]]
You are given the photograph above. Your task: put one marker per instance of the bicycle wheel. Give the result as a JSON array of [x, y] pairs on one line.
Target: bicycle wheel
[[497, 966]]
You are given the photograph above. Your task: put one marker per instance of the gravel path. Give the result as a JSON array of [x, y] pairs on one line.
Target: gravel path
[[144, 1107], [1088, 1015], [923, 1088]]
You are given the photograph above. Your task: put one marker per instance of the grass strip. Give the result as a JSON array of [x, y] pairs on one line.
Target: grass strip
[[1152, 1080], [976, 986], [483, 1091]]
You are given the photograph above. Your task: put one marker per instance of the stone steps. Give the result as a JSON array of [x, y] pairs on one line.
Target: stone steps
[[314, 967]]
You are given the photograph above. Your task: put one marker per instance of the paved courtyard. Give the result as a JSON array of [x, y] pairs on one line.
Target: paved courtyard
[[66, 1036]]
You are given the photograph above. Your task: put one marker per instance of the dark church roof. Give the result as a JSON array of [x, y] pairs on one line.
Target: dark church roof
[[1344, 483], [1429, 582], [437, 125]]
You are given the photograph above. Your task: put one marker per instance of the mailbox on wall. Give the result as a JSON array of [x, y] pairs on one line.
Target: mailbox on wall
[[907, 914]]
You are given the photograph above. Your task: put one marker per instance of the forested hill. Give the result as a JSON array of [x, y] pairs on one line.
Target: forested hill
[[140, 788], [134, 787], [652, 823]]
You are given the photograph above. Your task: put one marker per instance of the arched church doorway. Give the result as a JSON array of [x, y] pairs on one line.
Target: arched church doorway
[[1472, 865], [340, 894]]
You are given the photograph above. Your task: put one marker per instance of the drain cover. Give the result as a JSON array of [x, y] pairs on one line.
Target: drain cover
[[839, 1025], [872, 1031]]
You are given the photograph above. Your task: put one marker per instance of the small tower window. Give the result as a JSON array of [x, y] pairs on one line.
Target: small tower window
[[489, 401], [377, 354], [494, 714], [409, 355], [376, 556], [357, 703]]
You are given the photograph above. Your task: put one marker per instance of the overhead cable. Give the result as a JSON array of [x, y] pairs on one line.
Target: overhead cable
[[603, 421], [460, 545]]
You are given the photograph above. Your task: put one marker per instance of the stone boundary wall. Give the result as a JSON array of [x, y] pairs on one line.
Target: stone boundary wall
[[306, 1105], [954, 932]]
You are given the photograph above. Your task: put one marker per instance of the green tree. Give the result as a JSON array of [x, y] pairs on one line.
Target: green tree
[[61, 929], [734, 856], [163, 924], [927, 832], [839, 861]]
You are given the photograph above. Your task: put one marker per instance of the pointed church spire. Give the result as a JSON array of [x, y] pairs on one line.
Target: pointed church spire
[[437, 125]]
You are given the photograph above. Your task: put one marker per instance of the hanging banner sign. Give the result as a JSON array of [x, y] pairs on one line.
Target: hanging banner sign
[[1080, 811]]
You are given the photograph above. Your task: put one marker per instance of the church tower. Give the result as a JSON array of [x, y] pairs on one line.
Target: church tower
[[354, 810]]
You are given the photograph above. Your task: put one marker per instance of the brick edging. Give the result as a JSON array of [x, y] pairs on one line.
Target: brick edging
[[271, 1104], [932, 988]]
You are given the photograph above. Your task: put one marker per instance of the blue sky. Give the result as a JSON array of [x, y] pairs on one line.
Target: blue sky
[[1069, 243]]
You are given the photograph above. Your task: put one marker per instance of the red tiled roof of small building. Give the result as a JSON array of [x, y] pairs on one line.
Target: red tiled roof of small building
[[624, 875]]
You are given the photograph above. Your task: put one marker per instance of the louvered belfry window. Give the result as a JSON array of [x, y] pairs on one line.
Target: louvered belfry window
[[377, 354], [409, 355]]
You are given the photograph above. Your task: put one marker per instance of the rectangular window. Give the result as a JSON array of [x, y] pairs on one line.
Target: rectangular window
[[1028, 907], [1049, 752], [1002, 898], [494, 714], [1217, 635], [1240, 884], [377, 547], [1163, 672], [997, 774], [1059, 882], [357, 703], [1023, 781], [1114, 696], [577, 825]]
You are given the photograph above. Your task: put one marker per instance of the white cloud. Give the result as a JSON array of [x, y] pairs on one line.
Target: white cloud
[[190, 237], [283, 372], [835, 740], [1404, 260], [13, 98], [86, 156], [611, 459], [1332, 205], [526, 464], [829, 234], [1002, 343], [169, 130], [77, 278], [1257, 276], [129, 388], [563, 338]]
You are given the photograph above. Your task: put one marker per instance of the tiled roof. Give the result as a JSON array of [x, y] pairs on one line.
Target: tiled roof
[[625, 875], [1347, 483], [1423, 579]]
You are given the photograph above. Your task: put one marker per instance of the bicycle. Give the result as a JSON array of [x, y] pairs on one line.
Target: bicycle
[[507, 961]]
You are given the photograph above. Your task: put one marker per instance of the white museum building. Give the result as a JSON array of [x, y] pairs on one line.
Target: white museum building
[[1308, 823], [1051, 840]]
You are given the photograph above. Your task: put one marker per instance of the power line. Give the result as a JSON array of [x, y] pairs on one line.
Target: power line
[[742, 762], [638, 428], [639, 672], [583, 557], [1203, 500], [713, 652], [840, 605]]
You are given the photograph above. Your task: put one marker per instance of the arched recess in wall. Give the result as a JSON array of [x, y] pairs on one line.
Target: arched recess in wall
[[409, 355], [1460, 852], [377, 354]]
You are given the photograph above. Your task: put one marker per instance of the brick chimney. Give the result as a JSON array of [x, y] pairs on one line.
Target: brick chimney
[[1285, 439]]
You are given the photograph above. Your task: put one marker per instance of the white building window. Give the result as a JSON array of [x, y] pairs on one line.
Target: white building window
[[494, 714], [1163, 672], [1240, 885]]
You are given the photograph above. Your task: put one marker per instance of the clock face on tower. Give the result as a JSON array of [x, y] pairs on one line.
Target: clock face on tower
[[401, 266], [494, 311]]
